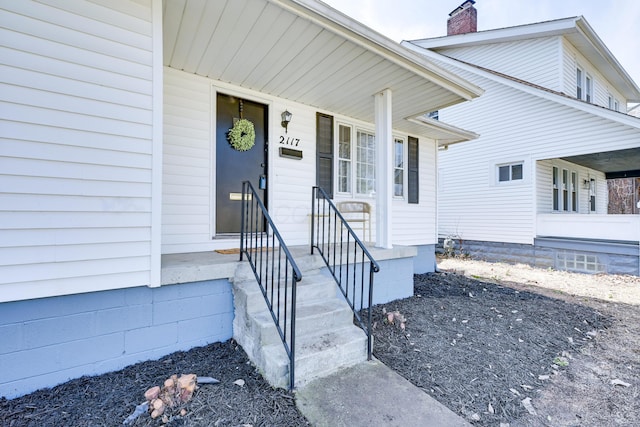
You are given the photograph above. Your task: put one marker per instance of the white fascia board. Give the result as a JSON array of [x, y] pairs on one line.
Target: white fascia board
[[563, 100], [448, 134], [353, 31], [577, 26], [592, 37], [520, 32]]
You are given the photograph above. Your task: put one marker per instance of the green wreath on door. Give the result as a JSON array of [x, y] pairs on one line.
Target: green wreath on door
[[242, 136]]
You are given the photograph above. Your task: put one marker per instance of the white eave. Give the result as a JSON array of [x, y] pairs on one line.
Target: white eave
[[307, 52], [575, 29], [443, 133], [596, 110]]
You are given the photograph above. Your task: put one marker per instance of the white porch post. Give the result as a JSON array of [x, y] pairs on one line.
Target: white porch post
[[384, 169]]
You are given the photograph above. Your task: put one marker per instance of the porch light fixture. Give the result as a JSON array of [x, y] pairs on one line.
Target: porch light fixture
[[286, 118], [587, 184]]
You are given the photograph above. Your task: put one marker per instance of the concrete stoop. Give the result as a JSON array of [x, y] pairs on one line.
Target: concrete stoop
[[326, 338]]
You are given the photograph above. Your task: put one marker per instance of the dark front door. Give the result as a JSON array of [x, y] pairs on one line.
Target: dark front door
[[233, 166]]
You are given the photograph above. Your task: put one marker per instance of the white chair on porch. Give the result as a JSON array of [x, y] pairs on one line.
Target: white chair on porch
[[357, 213]]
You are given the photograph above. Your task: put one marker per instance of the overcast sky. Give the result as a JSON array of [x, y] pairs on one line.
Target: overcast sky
[[617, 22]]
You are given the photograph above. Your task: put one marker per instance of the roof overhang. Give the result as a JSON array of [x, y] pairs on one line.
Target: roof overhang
[[307, 52], [614, 164], [576, 30], [443, 133]]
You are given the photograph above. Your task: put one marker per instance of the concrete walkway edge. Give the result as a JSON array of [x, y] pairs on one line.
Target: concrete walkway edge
[[371, 394]]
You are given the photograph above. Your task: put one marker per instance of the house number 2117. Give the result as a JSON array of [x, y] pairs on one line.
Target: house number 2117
[[289, 141]]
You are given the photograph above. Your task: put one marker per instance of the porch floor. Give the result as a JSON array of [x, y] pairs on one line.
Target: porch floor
[[212, 265]]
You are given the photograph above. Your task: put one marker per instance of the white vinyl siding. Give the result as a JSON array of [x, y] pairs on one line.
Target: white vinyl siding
[[76, 152], [291, 180], [415, 224], [186, 195], [522, 126], [535, 61], [601, 88]]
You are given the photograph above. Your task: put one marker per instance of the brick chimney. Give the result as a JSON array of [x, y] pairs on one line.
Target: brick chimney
[[463, 20]]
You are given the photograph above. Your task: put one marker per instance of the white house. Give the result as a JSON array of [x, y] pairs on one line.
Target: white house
[[553, 129], [117, 181]]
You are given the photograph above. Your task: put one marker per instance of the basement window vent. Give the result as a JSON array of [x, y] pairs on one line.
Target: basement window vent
[[580, 262]]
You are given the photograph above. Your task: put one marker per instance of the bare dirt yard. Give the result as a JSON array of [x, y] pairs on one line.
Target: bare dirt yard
[[498, 344], [600, 386]]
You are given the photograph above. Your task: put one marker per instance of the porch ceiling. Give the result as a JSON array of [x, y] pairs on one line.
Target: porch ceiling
[[615, 164], [307, 52]]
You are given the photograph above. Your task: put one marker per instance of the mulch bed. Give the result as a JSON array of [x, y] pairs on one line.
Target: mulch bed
[[108, 399], [479, 348]]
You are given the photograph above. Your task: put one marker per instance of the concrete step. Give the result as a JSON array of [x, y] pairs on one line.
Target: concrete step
[[307, 263], [248, 296], [326, 339], [319, 315], [317, 355]]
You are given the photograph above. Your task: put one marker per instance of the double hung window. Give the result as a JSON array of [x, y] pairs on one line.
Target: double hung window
[[355, 165], [565, 190], [398, 167], [510, 172], [578, 83], [356, 161], [365, 163], [344, 159]]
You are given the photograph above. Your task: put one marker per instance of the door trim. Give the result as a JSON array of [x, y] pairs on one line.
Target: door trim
[[225, 89]]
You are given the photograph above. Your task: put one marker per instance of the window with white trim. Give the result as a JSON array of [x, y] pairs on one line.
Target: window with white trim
[[588, 88], [578, 83], [344, 159], [356, 163], [365, 163], [510, 172], [574, 191], [398, 167], [556, 188], [592, 195], [564, 190]]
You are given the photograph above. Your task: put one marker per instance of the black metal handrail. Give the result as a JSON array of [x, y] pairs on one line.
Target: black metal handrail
[[275, 270], [345, 255]]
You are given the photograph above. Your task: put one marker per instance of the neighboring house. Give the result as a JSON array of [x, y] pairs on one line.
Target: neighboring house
[[553, 130], [118, 182]]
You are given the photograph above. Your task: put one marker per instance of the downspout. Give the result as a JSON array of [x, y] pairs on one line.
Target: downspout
[[155, 273], [437, 180]]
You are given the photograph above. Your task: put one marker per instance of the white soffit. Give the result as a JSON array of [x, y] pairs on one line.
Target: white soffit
[[304, 51]]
